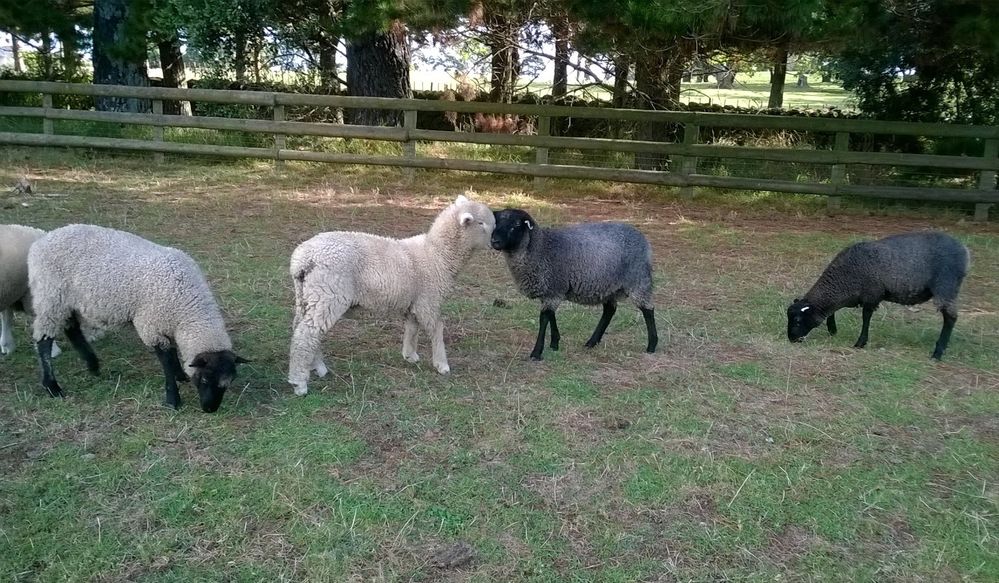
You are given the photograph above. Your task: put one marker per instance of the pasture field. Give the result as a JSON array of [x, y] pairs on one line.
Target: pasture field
[[730, 455]]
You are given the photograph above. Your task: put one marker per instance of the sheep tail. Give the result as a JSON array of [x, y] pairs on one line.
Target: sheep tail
[[298, 282]]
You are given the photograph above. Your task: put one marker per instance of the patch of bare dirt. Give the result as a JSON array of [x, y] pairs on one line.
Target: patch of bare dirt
[[791, 544]]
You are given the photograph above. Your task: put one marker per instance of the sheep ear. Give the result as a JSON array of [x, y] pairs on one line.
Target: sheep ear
[[465, 219], [198, 362], [461, 199], [796, 300]]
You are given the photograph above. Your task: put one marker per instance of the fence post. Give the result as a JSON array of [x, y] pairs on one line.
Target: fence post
[[541, 154], [47, 128], [987, 180], [409, 146], [837, 175], [158, 130], [688, 164], [280, 140]]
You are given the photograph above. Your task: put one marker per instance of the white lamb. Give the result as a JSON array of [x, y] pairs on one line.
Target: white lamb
[[335, 274], [15, 240], [87, 279]]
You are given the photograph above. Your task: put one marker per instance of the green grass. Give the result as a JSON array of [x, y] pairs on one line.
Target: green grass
[[729, 455]]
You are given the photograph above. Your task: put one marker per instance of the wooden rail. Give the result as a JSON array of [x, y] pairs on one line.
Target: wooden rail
[[686, 154]]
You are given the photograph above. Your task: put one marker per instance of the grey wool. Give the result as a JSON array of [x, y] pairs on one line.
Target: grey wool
[[588, 264], [906, 269], [87, 279]]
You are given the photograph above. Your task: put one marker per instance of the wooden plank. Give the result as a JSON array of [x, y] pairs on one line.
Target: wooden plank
[[158, 130], [987, 178], [688, 164], [46, 108], [280, 141], [703, 119], [837, 175], [541, 153], [409, 119]]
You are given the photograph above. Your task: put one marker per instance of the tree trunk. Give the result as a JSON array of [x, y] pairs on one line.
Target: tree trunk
[[826, 77], [257, 47], [657, 79], [45, 56], [15, 49], [174, 74], [70, 58], [622, 66], [239, 57], [778, 77], [119, 55], [327, 66], [378, 66], [560, 82], [802, 81], [502, 37]]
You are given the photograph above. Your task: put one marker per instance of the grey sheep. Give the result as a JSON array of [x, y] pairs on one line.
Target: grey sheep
[[588, 264], [86, 279], [905, 269], [15, 241]]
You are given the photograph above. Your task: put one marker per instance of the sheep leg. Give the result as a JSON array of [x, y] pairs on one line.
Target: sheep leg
[[547, 315], [410, 338], [44, 347], [650, 326], [83, 348], [949, 319], [6, 334], [180, 373], [610, 308], [831, 323], [171, 367], [865, 328], [433, 325], [306, 342], [556, 336]]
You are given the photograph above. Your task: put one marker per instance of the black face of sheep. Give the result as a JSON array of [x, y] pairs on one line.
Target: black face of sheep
[[213, 373], [512, 225], [802, 317]]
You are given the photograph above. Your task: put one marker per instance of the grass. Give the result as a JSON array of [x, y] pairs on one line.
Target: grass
[[729, 455]]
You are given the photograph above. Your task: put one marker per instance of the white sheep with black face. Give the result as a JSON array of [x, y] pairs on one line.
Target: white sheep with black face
[[340, 274], [15, 241], [86, 279]]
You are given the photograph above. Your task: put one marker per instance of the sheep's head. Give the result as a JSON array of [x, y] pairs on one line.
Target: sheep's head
[[512, 227], [475, 222], [213, 373], [801, 318]]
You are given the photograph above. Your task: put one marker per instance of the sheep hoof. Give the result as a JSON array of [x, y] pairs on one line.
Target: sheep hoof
[[8, 347], [414, 357], [537, 357], [301, 389], [443, 368], [937, 356], [321, 369], [175, 405], [55, 390], [94, 368], [860, 345], [590, 344]]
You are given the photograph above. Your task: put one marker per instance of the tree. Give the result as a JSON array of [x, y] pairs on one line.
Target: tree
[[119, 53], [378, 66]]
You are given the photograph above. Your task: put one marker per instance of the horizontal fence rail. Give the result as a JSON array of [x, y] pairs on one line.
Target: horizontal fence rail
[[683, 167]]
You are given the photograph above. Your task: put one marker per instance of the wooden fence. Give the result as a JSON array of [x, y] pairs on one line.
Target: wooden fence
[[684, 154]]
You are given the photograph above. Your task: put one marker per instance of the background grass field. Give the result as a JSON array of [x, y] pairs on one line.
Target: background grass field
[[729, 455]]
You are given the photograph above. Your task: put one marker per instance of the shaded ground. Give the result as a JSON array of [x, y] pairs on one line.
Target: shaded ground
[[729, 455]]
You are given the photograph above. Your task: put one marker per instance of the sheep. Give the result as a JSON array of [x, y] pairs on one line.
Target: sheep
[[15, 240], [87, 279], [588, 264], [905, 269], [338, 274]]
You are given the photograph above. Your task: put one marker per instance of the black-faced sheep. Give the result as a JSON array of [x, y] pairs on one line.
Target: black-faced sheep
[[588, 264], [339, 274], [87, 279], [904, 269]]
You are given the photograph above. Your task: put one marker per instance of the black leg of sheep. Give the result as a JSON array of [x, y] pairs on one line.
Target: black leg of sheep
[[171, 366], [598, 334], [865, 328], [83, 348], [556, 336], [44, 347], [831, 323], [949, 320], [543, 320], [650, 325]]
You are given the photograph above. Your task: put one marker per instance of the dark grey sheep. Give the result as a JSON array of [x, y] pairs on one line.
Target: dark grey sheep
[[588, 264], [905, 269]]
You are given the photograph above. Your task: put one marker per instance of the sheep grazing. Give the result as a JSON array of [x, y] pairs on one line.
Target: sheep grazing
[[588, 264], [87, 279], [337, 274], [904, 269], [15, 240]]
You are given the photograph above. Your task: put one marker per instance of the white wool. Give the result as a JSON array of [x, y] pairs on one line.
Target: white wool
[[342, 273], [15, 241], [111, 278]]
